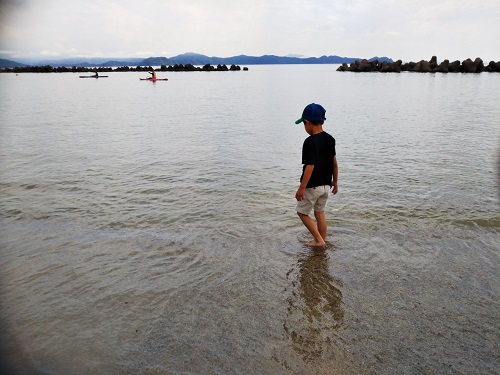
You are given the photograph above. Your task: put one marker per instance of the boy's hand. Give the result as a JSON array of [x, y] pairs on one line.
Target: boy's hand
[[335, 188], [299, 195]]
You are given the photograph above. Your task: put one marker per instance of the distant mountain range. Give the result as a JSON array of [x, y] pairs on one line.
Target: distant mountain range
[[10, 64], [190, 58]]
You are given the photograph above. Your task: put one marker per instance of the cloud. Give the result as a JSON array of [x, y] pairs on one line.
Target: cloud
[[50, 53]]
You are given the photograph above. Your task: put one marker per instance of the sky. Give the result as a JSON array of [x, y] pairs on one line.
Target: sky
[[410, 30]]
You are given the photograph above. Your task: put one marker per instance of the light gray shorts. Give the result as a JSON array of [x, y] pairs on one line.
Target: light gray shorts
[[314, 198]]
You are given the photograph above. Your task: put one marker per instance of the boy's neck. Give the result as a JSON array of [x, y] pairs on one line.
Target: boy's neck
[[312, 129], [316, 129]]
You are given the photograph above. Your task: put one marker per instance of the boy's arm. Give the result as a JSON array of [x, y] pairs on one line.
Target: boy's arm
[[301, 191], [335, 187]]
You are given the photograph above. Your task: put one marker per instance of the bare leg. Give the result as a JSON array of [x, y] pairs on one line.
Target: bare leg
[[321, 220], [311, 226]]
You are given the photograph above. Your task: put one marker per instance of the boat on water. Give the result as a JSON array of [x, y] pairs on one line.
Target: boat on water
[[93, 76], [153, 79]]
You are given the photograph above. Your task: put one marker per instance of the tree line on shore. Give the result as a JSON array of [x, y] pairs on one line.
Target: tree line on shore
[[423, 66], [163, 68]]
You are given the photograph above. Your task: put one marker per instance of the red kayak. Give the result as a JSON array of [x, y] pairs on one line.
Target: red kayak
[[154, 79]]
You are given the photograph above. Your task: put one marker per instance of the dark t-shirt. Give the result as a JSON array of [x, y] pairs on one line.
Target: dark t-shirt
[[318, 150]]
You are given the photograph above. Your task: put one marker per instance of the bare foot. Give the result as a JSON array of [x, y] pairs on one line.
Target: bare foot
[[315, 243]]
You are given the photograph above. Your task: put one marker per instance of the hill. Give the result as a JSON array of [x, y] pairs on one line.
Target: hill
[[10, 64], [197, 59]]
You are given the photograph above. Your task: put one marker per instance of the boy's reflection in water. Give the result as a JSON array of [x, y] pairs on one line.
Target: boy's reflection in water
[[314, 307]]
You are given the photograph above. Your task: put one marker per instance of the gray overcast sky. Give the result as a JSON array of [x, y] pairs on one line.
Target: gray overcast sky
[[406, 29]]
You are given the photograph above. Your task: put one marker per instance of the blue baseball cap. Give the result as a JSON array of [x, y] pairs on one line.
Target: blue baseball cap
[[312, 112]]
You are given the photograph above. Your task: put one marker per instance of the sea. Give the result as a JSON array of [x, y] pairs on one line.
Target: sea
[[150, 227]]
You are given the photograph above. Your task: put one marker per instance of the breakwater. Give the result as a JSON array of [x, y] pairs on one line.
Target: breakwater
[[163, 68], [423, 66]]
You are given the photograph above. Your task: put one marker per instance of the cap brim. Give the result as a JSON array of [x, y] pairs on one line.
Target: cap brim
[[299, 120]]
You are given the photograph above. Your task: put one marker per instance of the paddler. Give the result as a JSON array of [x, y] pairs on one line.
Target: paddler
[[153, 74]]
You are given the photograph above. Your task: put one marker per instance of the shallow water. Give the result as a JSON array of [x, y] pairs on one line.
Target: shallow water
[[150, 228]]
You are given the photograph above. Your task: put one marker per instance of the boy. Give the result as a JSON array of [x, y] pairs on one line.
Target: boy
[[319, 174]]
